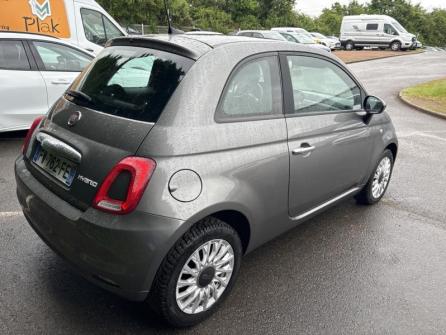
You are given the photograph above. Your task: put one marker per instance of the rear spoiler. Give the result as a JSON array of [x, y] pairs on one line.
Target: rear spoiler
[[163, 43]]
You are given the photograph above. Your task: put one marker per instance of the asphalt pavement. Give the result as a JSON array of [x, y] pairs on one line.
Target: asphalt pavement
[[351, 270]]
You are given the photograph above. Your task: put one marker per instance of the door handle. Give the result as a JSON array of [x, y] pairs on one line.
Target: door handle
[[304, 149], [60, 82]]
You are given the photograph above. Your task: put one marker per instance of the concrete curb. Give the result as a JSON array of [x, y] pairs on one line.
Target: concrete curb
[[421, 109], [383, 57]]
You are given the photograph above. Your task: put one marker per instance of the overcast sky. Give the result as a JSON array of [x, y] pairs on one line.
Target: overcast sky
[[314, 7]]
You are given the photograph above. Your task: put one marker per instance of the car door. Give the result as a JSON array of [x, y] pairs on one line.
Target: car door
[[389, 33], [59, 65], [373, 33], [22, 89], [328, 137]]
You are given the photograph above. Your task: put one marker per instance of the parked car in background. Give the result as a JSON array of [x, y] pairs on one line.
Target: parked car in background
[[81, 22], [382, 31], [132, 31], [333, 44], [267, 34], [35, 70], [202, 32], [334, 38], [303, 39], [294, 30], [153, 175]]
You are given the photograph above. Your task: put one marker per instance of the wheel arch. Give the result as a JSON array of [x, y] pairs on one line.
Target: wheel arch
[[393, 147], [233, 214], [395, 40]]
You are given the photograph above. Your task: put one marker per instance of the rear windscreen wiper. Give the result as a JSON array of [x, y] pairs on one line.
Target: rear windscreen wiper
[[79, 95]]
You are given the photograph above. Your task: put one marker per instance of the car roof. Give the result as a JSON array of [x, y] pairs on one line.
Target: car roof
[[195, 46], [256, 31], [31, 36], [39, 37], [202, 32]]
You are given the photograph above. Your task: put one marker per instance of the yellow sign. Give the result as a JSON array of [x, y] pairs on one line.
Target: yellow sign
[[47, 17]]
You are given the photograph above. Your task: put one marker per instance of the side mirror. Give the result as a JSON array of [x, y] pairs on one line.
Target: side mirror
[[374, 105]]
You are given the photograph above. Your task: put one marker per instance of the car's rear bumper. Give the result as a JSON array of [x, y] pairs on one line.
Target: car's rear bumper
[[118, 253]]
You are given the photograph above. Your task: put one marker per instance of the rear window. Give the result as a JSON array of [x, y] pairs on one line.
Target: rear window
[[131, 82]]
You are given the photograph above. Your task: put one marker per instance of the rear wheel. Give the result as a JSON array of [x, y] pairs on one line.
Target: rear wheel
[[349, 46], [197, 273], [377, 185], [395, 46]]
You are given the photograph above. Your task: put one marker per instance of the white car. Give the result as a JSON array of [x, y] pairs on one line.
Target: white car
[[327, 41], [303, 39], [35, 70]]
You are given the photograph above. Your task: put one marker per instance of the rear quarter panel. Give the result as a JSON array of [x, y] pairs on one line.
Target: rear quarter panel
[[243, 166]]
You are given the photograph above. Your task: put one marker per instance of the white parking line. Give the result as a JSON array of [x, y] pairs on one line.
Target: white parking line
[[10, 214]]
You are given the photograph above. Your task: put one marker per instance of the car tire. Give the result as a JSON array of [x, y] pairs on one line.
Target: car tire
[[349, 46], [378, 182], [165, 297], [395, 46]]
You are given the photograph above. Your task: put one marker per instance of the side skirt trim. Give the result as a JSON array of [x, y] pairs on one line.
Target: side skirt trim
[[325, 204]]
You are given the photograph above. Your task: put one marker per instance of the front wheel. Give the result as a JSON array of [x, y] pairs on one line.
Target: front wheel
[[377, 185], [197, 274], [395, 46]]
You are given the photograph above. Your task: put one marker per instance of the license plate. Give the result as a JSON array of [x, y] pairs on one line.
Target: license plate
[[60, 168]]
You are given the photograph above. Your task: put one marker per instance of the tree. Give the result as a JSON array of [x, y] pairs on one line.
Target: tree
[[229, 15], [213, 19]]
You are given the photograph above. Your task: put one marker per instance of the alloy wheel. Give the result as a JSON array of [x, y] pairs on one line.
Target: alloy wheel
[[205, 276], [381, 177]]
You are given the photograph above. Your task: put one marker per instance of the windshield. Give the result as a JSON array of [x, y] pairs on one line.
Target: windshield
[[273, 35], [290, 37], [135, 83], [303, 38], [399, 27]]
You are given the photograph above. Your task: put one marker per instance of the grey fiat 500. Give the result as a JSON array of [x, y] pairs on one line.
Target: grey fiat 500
[[171, 157]]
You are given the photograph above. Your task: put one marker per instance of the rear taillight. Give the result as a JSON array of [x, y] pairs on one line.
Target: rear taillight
[[30, 133], [141, 170]]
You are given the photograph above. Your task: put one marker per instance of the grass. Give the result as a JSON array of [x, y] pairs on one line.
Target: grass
[[431, 95]]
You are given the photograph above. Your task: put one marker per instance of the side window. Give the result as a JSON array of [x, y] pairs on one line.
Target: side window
[[110, 29], [257, 35], [372, 26], [253, 91], [98, 29], [320, 86], [388, 29], [56, 57], [13, 56]]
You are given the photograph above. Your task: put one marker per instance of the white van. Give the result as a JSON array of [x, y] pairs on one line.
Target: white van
[[382, 31], [81, 22]]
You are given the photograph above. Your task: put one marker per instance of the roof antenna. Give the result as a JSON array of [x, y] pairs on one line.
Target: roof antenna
[[170, 30]]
